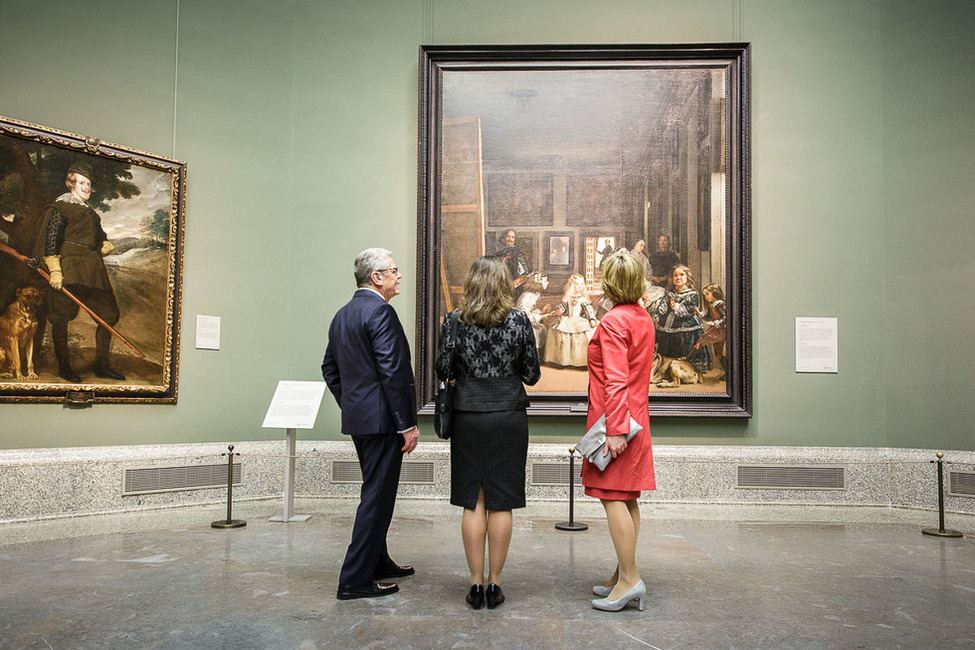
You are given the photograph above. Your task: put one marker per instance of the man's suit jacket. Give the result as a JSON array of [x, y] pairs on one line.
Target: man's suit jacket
[[367, 367]]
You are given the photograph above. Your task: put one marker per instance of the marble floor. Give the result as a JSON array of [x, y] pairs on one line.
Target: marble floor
[[719, 577]]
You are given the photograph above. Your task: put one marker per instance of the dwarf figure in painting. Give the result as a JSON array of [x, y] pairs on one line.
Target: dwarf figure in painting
[[567, 340], [71, 245], [679, 326]]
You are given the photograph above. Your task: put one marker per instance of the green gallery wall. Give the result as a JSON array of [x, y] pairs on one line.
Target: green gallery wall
[[298, 121]]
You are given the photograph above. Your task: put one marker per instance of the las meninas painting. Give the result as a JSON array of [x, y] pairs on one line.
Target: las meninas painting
[[552, 159], [90, 262]]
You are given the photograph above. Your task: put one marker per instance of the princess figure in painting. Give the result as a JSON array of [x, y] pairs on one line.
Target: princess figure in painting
[[568, 338]]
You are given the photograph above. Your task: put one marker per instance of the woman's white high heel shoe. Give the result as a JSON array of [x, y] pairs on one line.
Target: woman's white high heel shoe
[[602, 591], [638, 593]]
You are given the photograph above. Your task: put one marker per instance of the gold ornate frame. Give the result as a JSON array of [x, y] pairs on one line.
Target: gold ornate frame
[[141, 200]]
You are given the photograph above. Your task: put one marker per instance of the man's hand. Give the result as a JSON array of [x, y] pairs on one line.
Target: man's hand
[[107, 247], [53, 263], [411, 437]]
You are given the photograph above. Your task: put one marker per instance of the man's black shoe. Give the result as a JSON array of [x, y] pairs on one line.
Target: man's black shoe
[[68, 375], [374, 590], [394, 571], [105, 372]]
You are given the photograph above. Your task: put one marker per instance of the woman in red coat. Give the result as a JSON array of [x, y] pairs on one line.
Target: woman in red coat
[[620, 364]]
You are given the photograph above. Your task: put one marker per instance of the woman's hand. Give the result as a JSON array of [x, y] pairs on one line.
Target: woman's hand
[[615, 445]]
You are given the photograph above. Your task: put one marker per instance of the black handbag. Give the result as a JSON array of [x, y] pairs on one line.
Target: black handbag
[[443, 416]]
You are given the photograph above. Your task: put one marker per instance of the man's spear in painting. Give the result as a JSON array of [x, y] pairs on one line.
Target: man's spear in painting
[[32, 263]]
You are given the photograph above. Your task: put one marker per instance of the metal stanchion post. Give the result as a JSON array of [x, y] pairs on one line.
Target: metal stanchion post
[[571, 524], [940, 530], [230, 522]]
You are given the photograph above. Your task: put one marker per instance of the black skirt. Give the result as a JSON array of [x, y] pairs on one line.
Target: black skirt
[[488, 450]]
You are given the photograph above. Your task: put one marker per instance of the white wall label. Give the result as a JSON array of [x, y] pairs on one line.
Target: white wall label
[[817, 343], [207, 332]]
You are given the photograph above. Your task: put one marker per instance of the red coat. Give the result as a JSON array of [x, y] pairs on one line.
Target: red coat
[[620, 364]]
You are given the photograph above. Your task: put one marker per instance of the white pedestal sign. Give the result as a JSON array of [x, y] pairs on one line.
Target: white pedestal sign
[[294, 406]]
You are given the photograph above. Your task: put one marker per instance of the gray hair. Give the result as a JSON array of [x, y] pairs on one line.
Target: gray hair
[[368, 262]]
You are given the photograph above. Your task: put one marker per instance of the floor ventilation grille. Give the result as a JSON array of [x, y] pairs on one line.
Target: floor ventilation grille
[[791, 477], [961, 484], [554, 474], [414, 472], [149, 480]]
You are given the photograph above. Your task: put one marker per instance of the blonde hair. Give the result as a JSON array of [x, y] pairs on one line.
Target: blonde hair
[[488, 293], [623, 280], [569, 290]]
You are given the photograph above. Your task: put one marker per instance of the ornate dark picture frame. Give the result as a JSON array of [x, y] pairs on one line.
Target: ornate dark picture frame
[[645, 143], [134, 239]]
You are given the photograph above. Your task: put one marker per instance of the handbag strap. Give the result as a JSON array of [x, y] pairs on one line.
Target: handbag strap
[[451, 344]]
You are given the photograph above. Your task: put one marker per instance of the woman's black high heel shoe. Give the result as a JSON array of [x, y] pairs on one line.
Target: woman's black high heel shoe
[[494, 595], [475, 597]]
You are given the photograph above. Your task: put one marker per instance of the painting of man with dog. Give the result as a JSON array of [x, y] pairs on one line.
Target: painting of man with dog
[[90, 256]]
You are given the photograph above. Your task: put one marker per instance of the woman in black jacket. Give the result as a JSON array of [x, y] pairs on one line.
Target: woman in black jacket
[[494, 355]]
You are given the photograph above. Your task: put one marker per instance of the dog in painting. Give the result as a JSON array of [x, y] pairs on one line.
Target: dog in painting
[[17, 327], [671, 373]]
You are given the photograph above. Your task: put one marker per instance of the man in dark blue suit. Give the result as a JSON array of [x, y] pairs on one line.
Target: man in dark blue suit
[[367, 367]]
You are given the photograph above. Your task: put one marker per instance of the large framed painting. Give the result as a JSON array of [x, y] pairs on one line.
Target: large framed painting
[[91, 252], [552, 157]]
